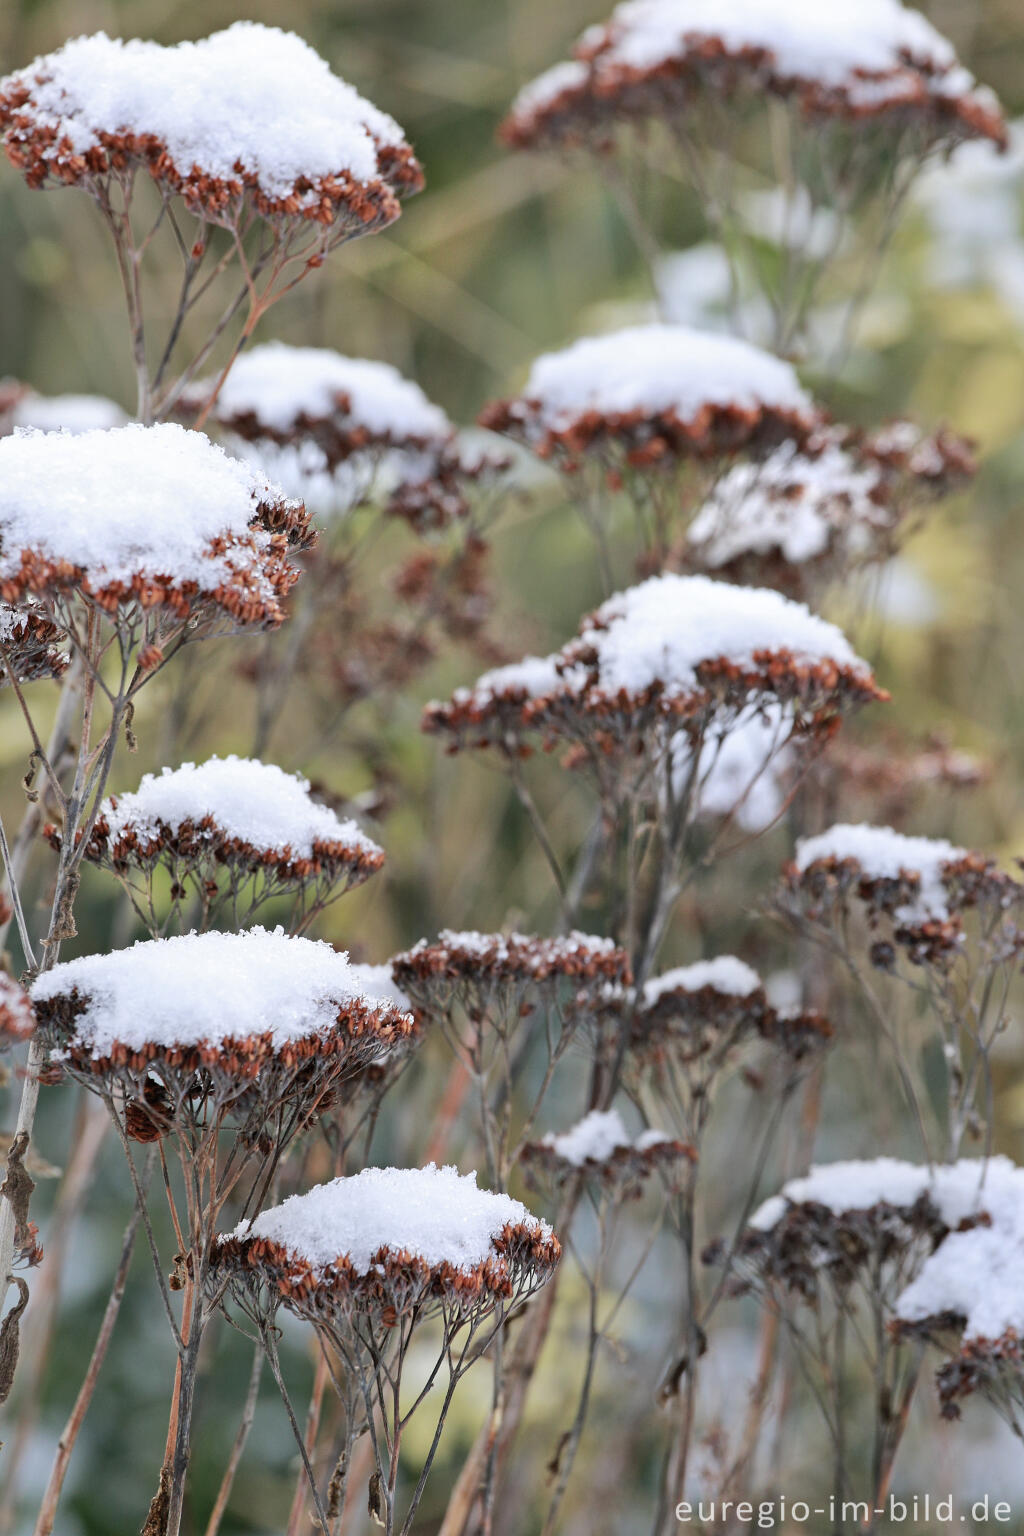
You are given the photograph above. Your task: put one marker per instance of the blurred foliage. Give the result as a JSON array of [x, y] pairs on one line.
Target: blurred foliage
[[501, 257]]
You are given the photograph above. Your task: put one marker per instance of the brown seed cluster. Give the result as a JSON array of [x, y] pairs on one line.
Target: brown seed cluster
[[36, 148], [604, 93], [643, 440], [397, 1282], [812, 1246], [623, 1174], [440, 486], [261, 575], [431, 481], [17, 1021], [631, 723], [826, 890], [912, 470], [889, 780], [577, 957], [992, 1367], [31, 647], [242, 1076], [192, 846], [699, 1027]]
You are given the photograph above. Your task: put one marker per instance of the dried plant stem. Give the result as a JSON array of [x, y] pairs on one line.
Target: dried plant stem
[[15, 895], [463, 1501], [69, 1435], [87, 1136], [238, 1447], [298, 1509], [268, 1335], [81, 807]]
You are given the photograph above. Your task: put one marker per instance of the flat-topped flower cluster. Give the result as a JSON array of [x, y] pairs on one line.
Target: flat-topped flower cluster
[[878, 60], [154, 516], [400, 1240], [672, 649], [235, 812], [316, 149]]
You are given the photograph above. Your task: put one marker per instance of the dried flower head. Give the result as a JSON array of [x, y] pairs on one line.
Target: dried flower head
[[966, 1296], [807, 516], [314, 150], [346, 405], [697, 1016], [153, 520], [17, 1021], [889, 779], [503, 978], [878, 62], [233, 817], [675, 652], [875, 1222], [31, 645], [601, 1150], [235, 1028], [914, 891], [341, 431], [386, 1245], [653, 397]]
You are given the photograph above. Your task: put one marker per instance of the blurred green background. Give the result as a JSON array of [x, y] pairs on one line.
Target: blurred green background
[[504, 256]]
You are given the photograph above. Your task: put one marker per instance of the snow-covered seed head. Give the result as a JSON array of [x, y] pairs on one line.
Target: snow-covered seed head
[[653, 397], [235, 814], [657, 59], [145, 518], [698, 1018], [245, 1024], [844, 1221], [915, 891], [385, 1243], [251, 115], [31, 645], [601, 1150], [671, 653], [22, 406], [504, 978], [807, 515]]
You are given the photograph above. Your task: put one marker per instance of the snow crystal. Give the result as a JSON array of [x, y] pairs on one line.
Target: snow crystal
[[257, 803], [790, 503], [206, 988], [437, 1214], [251, 97], [66, 413], [833, 44], [596, 1137], [131, 501], [657, 369], [883, 854], [279, 384], [724, 973]]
